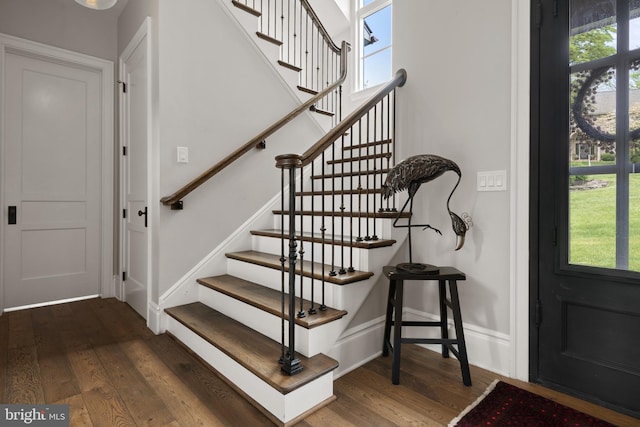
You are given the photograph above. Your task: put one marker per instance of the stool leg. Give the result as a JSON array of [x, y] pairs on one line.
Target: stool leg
[[397, 333], [457, 319], [387, 322], [444, 327]]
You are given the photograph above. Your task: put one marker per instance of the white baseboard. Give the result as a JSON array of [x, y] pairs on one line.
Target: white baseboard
[[486, 349]]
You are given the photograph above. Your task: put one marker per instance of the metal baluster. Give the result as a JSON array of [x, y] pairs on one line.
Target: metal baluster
[[312, 309], [351, 243], [323, 231], [333, 212], [301, 312], [393, 151], [359, 239], [367, 237], [291, 365], [283, 259], [372, 194]]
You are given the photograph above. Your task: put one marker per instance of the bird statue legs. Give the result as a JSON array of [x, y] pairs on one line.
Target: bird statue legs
[[417, 267]]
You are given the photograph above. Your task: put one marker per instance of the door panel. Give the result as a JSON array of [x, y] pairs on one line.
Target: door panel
[[586, 296], [135, 134], [52, 175]]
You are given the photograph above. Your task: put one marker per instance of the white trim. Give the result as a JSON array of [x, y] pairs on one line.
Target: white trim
[[142, 34], [48, 303], [519, 190], [105, 68]]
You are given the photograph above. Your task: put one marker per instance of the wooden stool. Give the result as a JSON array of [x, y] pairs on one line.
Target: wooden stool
[[396, 283]]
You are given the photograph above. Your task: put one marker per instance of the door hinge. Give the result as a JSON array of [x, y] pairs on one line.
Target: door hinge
[[124, 276], [555, 8], [124, 214], [124, 150], [538, 15], [538, 313], [554, 236], [124, 86]]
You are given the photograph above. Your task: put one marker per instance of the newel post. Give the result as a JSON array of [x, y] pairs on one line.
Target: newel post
[[291, 162]]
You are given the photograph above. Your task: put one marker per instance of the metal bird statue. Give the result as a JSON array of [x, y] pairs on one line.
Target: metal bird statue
[[410, 174]]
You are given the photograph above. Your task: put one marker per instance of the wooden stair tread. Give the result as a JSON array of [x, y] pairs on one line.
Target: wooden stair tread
[[268, 300], [321, 111], [289, 66], [317, 238], [339, 192], [387, 215], [368, 144], [349, 174], [273, 261], [246, 8], [359, 158], [254, 351], [307, 90], [270, 39]]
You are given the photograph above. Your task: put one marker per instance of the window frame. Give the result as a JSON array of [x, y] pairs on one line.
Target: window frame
[[361, 13]]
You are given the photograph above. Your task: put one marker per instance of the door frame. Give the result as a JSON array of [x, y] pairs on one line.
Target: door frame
[[24, 47], [144, 31]]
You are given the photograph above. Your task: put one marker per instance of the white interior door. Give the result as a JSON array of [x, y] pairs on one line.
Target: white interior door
[[52, 179], [135, 111]]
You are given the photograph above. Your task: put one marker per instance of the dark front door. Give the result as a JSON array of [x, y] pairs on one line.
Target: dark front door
[[585, 332]]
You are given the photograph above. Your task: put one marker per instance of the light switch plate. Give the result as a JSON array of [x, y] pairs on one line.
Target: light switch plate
[[183, 154], [492, 180]]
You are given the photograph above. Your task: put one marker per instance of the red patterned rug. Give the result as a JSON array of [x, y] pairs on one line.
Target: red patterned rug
[[505, 405]]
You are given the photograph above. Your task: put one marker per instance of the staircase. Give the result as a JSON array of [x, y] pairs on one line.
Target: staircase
[[269, 325]]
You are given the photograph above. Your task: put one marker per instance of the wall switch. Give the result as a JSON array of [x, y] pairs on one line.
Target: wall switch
[[183, 154], [492, 181]]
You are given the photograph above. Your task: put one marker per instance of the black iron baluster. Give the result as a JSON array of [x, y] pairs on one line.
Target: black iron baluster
[[367, 184], [283, 259], [351, 243], [333, 212], [291, 365], [372, 194], [301, 312], [323, 230], [393, 151], [312, 309], [360, 239]]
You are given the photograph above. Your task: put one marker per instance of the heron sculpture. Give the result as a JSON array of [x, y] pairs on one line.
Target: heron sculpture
[[410, 174]]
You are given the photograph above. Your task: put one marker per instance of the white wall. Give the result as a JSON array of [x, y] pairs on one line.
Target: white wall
[[215, 93], [457, 103], [62, 23]]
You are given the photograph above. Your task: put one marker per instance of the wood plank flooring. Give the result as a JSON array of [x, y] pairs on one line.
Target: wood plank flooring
[[99, 357]]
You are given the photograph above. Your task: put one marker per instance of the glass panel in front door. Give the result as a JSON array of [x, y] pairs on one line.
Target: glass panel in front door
[[604, 138]]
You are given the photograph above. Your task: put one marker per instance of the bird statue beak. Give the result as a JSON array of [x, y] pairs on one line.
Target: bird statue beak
[[459, 242]]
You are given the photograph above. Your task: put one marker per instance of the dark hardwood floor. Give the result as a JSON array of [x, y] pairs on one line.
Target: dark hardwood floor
[[99, 357]]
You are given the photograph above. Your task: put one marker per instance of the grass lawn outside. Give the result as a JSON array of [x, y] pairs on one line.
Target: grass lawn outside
[[592, 219]]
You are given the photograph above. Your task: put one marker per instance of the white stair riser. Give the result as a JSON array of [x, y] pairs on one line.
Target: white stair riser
[[271, 278], [285, 407], [309, 342], [381, 227], [341, 255]]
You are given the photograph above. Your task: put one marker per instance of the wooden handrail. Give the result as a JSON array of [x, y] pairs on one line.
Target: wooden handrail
[[175, 199], [318, 24], [325, 142]]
